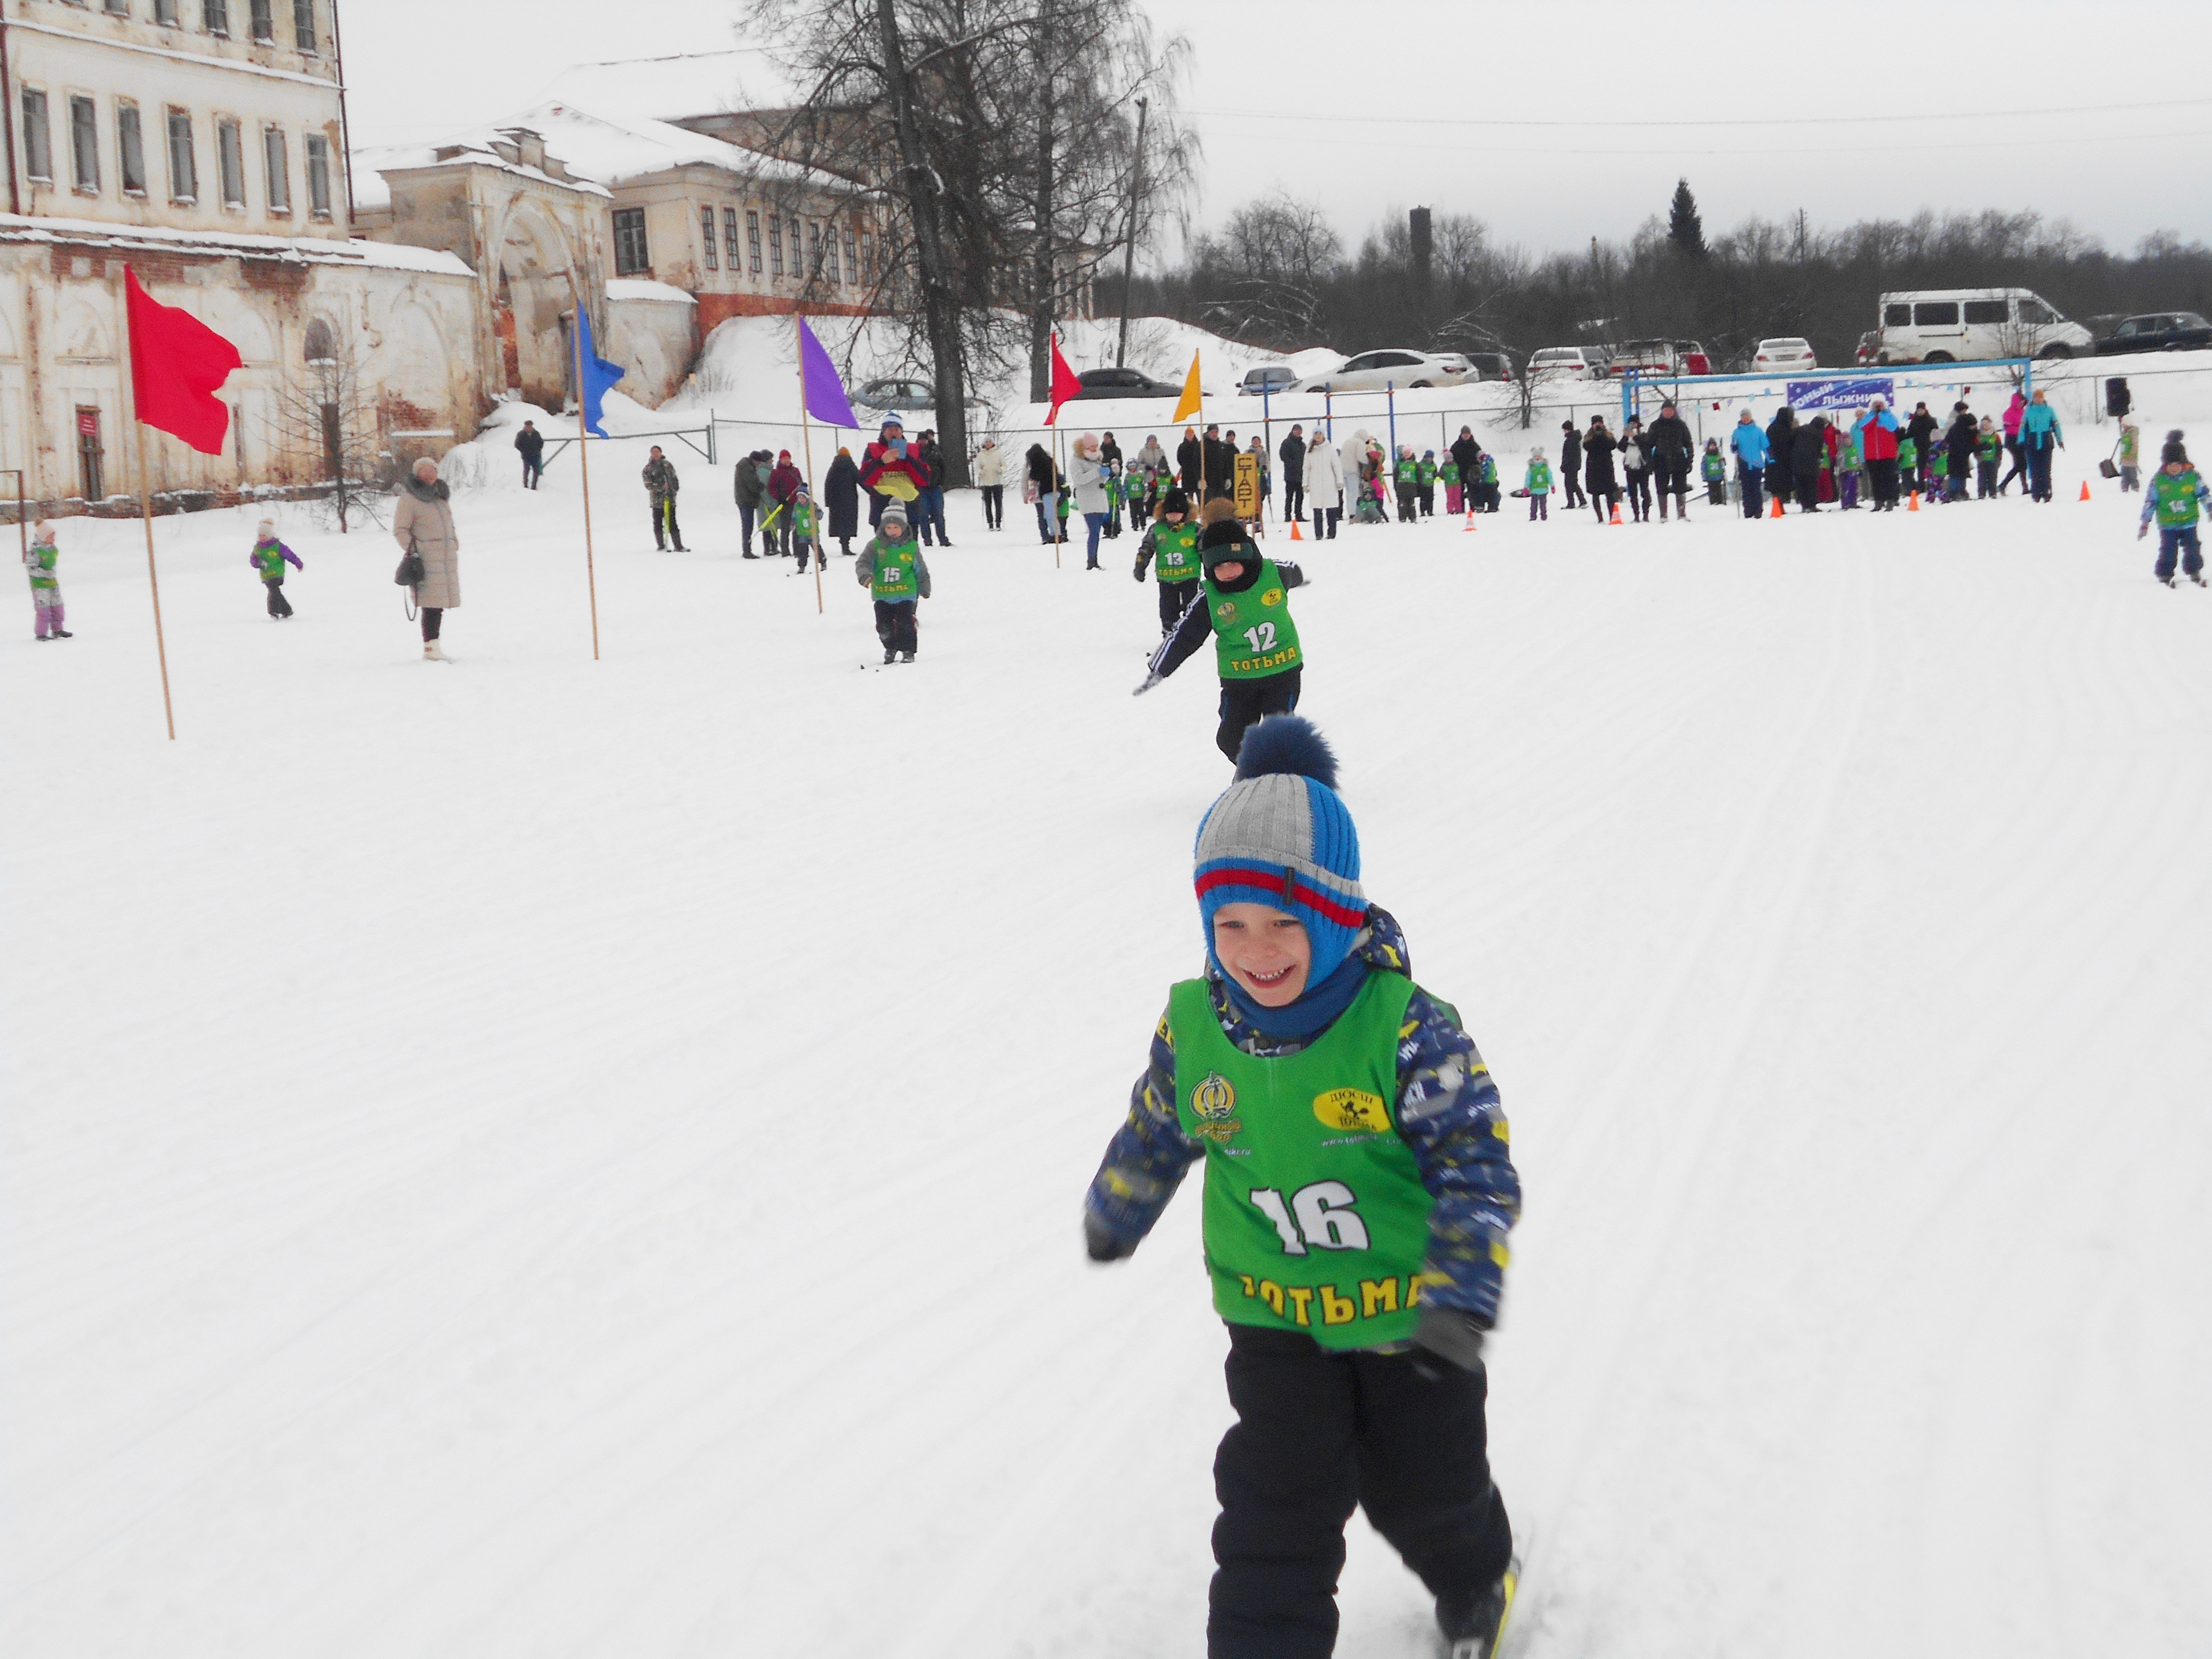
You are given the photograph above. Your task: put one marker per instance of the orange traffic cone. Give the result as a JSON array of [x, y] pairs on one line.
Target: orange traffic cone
[[1913, 506], [1469, 526], [1295, 536], [1775, 511], [1616, 511], [2085, 489]]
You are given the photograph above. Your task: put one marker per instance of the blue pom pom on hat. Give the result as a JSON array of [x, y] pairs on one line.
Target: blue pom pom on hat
[[1281, 835]]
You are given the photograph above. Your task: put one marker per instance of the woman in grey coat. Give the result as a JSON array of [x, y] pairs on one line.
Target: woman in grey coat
[[422, 524]]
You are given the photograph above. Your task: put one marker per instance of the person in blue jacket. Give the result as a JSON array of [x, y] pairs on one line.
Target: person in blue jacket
[[2040, 434], [1749, 444]]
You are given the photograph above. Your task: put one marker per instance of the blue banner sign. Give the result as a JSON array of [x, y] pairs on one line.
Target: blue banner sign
[[1813, 396]]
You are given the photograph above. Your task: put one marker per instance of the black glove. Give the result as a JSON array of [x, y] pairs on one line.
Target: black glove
[[1447, 1337], [1099, 1240], [1139, 573], [1151, 680]]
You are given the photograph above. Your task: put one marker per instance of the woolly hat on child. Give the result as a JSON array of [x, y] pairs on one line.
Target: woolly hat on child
[[1221, 539], [894, 513], [1281, 835]]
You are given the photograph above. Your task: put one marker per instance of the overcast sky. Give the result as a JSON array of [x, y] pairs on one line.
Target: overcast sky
[[1850, 110]]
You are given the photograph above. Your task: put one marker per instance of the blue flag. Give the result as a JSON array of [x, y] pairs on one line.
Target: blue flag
[[598, 375]]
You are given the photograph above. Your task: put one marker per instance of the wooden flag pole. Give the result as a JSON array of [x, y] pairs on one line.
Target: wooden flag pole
[[1059, 481], [806, 437], [584, 467], [153, 582]]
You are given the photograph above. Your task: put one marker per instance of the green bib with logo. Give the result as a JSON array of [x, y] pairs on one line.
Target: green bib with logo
[[1253, 636], [1449, 472], [1408, 472], [895, 577], [1540, 477], [2176, 496], [1174, 552], [1315, 1217]]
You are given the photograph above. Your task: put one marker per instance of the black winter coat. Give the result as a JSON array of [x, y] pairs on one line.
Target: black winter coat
[[1040, 470], [1667, 438], [841, 495], [1190, 456], [1809, 447], [1220, 463], [531, 443], [1959, 441], [1570, 452], [1922, 426], [1292, 455], [1597, 460], [1468, 454]]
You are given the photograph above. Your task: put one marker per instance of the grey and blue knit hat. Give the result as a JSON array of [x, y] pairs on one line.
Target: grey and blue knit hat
[[1281, 835]]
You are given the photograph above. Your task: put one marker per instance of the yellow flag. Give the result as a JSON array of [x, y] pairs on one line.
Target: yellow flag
[[1189, 405]]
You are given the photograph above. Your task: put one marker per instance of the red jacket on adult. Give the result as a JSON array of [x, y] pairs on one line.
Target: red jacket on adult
[[784, 481], [1878, 436], [878, 461]]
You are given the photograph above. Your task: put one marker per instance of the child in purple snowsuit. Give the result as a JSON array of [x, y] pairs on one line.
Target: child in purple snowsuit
[[45, 586]]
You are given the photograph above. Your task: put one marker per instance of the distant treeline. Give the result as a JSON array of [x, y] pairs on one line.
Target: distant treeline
[[1277, 276]]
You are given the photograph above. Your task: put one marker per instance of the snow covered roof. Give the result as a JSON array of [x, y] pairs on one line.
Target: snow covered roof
[[302, 249], [636, 288], [617, 149], [671, 87], [475, 146]]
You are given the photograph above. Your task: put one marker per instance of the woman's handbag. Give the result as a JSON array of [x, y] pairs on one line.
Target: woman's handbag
[[409, 576]]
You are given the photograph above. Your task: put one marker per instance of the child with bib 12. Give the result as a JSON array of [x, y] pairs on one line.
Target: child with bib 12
[[1357, 1193]]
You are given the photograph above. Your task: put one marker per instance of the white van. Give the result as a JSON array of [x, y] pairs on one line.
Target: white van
[[1968, 324]]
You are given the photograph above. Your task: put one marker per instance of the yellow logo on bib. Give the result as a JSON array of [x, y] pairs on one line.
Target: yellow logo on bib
[[1352, 1108], [1213, 1100], [1273, 596]]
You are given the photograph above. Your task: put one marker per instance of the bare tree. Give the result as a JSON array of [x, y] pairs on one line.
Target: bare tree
[[1269, 266], [325, 423]]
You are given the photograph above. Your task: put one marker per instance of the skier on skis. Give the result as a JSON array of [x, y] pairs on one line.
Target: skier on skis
[[1243, 602], [2175, 502], [890, 568], [1358, 1195]]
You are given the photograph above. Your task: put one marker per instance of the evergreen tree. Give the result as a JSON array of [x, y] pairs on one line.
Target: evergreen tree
[[1684, 227]]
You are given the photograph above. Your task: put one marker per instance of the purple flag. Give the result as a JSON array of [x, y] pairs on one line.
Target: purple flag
[[825, 393]]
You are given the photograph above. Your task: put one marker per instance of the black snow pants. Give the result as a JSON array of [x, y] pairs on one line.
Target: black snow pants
[[895, 624], [1316, 1434], [1174, 599], [278, 605], [1243, 702]]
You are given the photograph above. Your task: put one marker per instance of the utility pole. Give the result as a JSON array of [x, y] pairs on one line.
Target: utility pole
[[1129, 250]]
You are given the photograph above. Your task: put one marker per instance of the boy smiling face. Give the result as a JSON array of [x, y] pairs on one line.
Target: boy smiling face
[[1266, 951]]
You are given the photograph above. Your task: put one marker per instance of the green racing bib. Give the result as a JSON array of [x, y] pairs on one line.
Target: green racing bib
[[895, 577], [1253, 636], [1174, 552]]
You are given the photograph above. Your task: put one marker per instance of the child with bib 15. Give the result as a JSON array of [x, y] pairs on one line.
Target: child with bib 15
[[1359, 1190]]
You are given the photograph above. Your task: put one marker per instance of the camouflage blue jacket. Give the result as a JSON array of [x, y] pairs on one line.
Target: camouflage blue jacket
[[1447, 1111]]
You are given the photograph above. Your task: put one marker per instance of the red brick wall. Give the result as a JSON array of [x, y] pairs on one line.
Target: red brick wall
[[717, 308]]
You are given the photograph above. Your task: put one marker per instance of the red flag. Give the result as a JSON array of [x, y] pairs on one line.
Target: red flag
[[1064, 383], [177, 362]]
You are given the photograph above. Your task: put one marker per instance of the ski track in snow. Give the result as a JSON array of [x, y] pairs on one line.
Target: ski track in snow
[[535, 1156]]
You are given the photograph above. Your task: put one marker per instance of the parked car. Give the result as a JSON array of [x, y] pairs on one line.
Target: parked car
[[1570, 361], [1694, 358], [1124, 383], [1969, 324], [1271, 379], [1869, 343], [1373, 371], [1490, 365], [2165, 330], [1789, 352], [1652, 359], [894, 394]]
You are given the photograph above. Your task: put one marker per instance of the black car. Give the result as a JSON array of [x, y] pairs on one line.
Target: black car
[[1124, 383], [2162, 330]]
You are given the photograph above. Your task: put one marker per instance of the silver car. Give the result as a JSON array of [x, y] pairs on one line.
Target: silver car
[[1407, 371]]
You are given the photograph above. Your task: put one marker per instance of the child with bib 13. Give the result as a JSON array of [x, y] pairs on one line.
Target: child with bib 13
[[1357, 1193]]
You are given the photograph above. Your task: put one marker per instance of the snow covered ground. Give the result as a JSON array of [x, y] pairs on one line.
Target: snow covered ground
[[539, 1156]]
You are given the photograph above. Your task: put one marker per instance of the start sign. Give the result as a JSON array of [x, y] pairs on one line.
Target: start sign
[[1246, 490]]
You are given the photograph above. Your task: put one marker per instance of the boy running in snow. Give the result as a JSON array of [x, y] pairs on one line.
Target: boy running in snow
[[890, 568], [1712, 467], [1538, 484], [1243, 604], [45, 586], [1424, 481], [270, 557], [2176, 499], [1359, 1193], [1172, 540]]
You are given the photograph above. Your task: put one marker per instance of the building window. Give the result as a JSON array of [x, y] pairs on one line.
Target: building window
[[774, 247], [165, 11], [752, 240], [230, 163], [215, 14], [867, 254], [303, 26], [631, 257], [730, 235], [184, 174], [120, 8], [813, 250], [852, 260], [707, 235], [319, 175], [263, 19], [130, 149], [791, 229], [38, 143], [276, 165], [84, 147]]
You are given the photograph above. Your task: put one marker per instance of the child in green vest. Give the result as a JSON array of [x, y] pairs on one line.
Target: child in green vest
[[1908, 458], [1712, 467], [1406, 474], [1487, 467], [2130, 453], [803, 527], [1850, 466], [38, 563], [1359, 1192], [270, 557], [1172, 540], [2175, 500], [1988, 454], [1424, 482], [1450, 473], [1538, 484], [890, 568], [1244, 608]]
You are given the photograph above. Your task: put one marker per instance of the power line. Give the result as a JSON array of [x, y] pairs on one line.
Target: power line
[[1664, 149], [1305, 119]]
